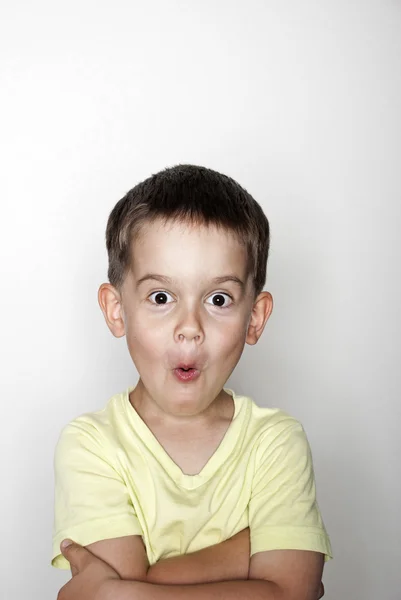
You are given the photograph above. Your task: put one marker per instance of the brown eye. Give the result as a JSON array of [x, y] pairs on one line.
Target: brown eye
[[221, 300], [159, 298]]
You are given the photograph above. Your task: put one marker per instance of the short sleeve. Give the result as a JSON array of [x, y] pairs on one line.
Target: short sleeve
[[283, 511], [91, 501]]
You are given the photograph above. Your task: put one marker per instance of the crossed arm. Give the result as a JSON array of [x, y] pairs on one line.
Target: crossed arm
[[220, 571]]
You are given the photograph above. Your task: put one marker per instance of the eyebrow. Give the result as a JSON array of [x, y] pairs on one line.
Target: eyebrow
[[169, 281]]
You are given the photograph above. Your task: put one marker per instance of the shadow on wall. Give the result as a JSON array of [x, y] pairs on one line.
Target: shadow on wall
[[350, 491]]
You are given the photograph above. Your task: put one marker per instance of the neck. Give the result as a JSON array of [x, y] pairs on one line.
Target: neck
[[222, 408]]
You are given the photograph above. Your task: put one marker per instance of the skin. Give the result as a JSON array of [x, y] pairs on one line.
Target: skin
[[94, 579], [188, 327]]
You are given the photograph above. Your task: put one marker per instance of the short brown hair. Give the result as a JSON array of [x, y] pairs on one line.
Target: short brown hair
[[193, 194]]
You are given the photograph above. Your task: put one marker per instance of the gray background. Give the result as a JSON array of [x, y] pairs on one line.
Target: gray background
[[300, 102]]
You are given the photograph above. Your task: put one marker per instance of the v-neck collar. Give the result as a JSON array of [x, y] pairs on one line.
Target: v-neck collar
[[219, 456]]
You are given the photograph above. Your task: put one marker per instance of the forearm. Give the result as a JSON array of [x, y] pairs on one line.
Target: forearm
[[226, 561], [254, 589]]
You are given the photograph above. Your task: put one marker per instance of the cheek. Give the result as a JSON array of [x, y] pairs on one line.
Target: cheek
[[232, 337], [144, 341]]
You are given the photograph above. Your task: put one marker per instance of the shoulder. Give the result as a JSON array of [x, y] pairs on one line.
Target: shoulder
[[272, 428], [96, 429], [267, 421], [282, 436], [273, 420]]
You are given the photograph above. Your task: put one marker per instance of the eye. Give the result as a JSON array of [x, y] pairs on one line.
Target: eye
[[160, 297], [220, 300]]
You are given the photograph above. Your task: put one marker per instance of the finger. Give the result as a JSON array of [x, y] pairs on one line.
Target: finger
[[76, 555]]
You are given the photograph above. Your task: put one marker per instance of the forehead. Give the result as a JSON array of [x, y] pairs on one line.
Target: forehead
[[183, 250]]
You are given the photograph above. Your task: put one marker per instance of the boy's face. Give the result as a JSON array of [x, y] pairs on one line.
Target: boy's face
[[173, 310]]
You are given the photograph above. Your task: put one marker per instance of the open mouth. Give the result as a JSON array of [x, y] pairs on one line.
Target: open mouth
[[186, 366], [186, 373]]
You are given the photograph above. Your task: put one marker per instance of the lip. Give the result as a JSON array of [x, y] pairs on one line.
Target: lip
[[186, 376], [187, 366]]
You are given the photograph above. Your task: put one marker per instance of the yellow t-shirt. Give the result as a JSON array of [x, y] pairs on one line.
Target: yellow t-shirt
[[113, 478]]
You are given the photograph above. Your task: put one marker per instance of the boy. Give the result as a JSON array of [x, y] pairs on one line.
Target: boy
[[179, 487]]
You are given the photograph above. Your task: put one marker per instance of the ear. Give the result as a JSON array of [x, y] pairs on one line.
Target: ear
[[110, 302], [261, 311]]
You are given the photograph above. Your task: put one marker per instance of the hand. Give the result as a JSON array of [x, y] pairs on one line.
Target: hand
[[89, 574]]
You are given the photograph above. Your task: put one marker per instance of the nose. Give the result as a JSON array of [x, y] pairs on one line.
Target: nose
[[189, 328]]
